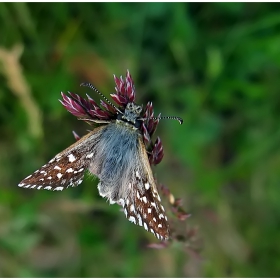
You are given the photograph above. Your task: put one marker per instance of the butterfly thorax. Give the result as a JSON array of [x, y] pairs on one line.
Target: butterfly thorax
[[130, 116]]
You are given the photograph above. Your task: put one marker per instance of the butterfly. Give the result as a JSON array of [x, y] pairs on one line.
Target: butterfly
[[119, 151]]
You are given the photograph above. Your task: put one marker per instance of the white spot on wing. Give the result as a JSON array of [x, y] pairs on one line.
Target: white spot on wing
[[153, 204], [27, 177], [145, 226], [145, 199], [154, 219], [58, 189], [89, 155], [71, 158], [112, 201], [138, 195], [132, 219], [160, 225], [69, 170], [47, 188], [132, 208], [140, 220], [49, 177], [125, 212], [137, 175], [57, 167], [161, 216], [20, 185], [121, 201], [59, 175], [147, 186], [149, 210], [39, 187]]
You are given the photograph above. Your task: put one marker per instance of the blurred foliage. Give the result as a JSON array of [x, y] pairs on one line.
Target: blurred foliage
[[217, 65]]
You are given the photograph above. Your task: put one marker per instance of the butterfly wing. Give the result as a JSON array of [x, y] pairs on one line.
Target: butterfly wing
[[143, 204], [66, 168]]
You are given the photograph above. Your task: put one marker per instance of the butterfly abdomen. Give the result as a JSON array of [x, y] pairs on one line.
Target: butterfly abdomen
[[115, 167]]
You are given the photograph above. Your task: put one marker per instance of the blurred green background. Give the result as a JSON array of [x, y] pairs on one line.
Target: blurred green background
[[217, 65]]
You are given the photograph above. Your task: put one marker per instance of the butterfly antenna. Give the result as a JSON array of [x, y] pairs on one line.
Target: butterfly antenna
[[180, 120], [102, 95]]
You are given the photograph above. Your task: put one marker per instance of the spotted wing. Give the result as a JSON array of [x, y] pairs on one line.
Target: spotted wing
[[143, 206], [66, 168]]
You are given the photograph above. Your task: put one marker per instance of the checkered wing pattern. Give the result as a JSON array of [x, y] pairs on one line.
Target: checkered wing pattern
[[143, 205], [67, 168]]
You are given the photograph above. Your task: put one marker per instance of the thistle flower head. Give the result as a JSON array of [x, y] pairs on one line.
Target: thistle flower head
[[89, 110]]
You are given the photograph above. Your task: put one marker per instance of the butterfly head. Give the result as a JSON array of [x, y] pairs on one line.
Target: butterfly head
[[132, 112]]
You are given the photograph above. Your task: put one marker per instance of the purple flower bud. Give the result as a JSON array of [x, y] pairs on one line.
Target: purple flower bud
[[122, 88], [165, 190], [77, 137], [154, 126], [119, 99], [108, 107], [147, 110], [183, 216], [157, 152], [100, 114], [160, 245], [118, 82], [72, 106], [146, 136], [130, 89], [91, 101]]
